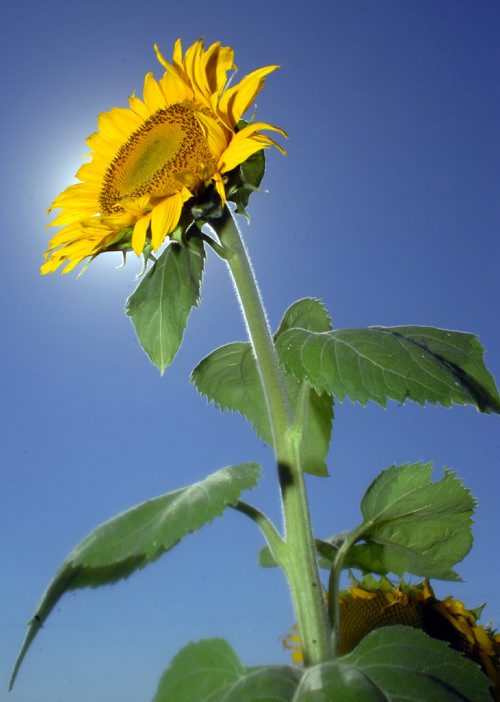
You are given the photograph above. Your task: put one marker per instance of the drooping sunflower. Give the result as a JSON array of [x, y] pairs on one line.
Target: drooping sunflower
[[151, 158], [370, 604]]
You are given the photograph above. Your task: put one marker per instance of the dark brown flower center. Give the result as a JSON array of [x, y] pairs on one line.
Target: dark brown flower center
[[167, 150]]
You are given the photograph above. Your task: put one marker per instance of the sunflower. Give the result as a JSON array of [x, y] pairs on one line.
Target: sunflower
[[148, 160], [370, 604]]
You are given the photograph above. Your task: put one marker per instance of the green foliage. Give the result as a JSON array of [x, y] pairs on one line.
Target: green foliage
[[307, 313], [422, 364], [210, 671], [393, 663], [139, 536], [201, 671], [160, 306], [411, 524], [229, 377], [272, 683], [397, 664]]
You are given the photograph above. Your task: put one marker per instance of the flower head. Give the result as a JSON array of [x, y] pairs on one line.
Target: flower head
[[370, 604], [151, 158]]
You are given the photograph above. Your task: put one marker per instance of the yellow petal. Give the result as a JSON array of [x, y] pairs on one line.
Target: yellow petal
[[235, 101], [258, 126], [153, 96], [215, 134], [238, 151], [177, 53], [160, 56], [139, 107], [219, 186], [139, 234], [192, 64], [175, 89], [218, 60], [164, 219]]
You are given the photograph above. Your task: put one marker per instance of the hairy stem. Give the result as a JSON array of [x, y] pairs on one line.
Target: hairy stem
[[299, 557]]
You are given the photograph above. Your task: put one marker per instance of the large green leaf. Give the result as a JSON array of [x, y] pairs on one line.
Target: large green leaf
[[229, 377], [400, 363], [160, 306], [201, 671], [139, 536], [411, 524], [210, 671], [397, 664]]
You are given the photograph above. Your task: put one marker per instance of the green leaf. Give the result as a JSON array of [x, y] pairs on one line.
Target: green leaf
[[210, 671], [201, 671], [229, 378], [422, 364], [245, 180], [370, 558], [308, 313], [160, 306], [397, 664], [414, 525], [367, 557], [410, 525], [273, 683], [139, 536]]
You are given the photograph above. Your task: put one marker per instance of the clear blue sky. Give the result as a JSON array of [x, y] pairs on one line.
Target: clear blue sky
[[386, 207]]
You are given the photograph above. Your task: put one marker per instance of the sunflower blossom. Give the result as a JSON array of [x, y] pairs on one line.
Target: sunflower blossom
[[370, 604], [148, 160]]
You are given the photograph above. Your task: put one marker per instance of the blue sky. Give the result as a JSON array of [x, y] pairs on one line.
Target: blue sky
[[386, 207]]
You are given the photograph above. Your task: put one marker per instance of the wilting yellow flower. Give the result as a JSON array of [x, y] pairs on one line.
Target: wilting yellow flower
[[149, 159], [370, 604]]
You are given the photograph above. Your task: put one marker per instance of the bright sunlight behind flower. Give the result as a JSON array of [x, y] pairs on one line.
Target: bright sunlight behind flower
[[151, 158]]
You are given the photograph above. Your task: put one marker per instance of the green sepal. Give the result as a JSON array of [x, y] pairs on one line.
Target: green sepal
[[229, 377], [239, 185], [139, 536], [244, 180], [422, 364], [396, 663], [162, 302]]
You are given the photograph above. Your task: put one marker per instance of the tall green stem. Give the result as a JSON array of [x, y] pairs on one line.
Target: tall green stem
[[299, 561]]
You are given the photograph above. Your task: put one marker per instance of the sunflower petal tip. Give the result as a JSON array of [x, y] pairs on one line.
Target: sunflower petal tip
[[160, 57]]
